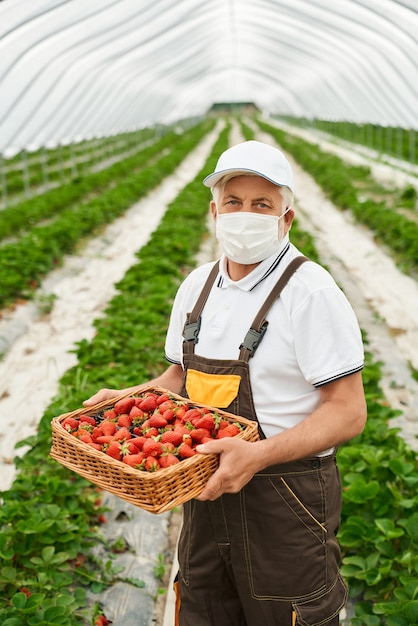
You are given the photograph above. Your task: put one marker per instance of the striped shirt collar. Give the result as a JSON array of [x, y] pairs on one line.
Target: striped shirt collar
[[259, 273]]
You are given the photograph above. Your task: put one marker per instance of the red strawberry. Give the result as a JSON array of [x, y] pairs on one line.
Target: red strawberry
[[129, 447], [186, 451], [88, 419], [166, 460], [114, 450], [124, 420], [181, 410], [229, 431], [108, 428], [124, 405], [167, 404], [168, 415], [104, 439], [157, 421], [151, 432], [96, 446], [149, 403], [97, 432], [109, 414], [171, 436], [152, 448], [139, 441], [197, 434], [151, 464], [136, 413], [191, 415], [70, 424], [122, 433], [169, 447], [86, 438], [164, 397], [134, 460], [206, 421]]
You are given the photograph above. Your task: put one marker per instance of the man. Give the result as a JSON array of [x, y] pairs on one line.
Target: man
[[258, 547]]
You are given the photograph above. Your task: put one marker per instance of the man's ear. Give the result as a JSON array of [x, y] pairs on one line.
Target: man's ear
[[288, 219], [213, 209]]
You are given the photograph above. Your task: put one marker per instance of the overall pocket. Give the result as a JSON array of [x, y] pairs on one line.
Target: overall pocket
[[285, 539], [218, 390]]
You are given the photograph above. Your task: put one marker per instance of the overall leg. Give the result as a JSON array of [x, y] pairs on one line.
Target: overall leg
[[208, 595]]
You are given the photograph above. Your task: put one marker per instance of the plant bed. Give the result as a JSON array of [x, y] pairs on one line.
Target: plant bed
[[148, 484]]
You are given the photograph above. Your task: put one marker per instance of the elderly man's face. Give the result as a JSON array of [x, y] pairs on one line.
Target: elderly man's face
[[251, 193]]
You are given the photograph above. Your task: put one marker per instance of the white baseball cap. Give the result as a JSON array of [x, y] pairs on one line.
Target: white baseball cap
[[253, 157]]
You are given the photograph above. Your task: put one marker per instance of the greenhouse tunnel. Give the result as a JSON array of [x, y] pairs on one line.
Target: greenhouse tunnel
[[112, 112]]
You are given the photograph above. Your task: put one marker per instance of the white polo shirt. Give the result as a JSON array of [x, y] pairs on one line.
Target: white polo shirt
[[312, 338]]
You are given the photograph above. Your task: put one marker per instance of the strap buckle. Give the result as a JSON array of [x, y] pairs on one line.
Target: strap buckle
[[253, 337], [191, 330]]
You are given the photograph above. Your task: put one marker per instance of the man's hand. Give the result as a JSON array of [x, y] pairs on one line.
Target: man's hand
[[239, 461], [101, 396]]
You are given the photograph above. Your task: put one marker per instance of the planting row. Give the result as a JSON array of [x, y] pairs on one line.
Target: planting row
[[395, 141], [24, 262], [28, 171], [351, 187]]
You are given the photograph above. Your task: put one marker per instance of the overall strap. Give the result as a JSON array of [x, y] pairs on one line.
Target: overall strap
[[259, 325], [192, 325]]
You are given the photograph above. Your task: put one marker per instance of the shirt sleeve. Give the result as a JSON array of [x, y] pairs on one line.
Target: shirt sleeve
[[327, 336]]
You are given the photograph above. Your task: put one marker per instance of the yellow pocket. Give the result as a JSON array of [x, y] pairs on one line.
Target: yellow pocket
[[216, 390]]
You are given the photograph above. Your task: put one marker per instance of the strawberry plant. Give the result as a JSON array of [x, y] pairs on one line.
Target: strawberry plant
[[344, 184]]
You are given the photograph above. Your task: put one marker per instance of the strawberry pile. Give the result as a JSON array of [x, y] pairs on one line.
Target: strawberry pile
[[150, 431]]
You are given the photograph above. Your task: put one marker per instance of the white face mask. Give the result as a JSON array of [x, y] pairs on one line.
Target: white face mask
[[248, 237]]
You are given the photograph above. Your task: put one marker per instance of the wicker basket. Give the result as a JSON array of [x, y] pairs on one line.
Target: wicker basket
[[155, 492]]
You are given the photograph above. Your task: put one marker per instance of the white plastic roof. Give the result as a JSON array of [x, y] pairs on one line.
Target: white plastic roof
[[73, 69]]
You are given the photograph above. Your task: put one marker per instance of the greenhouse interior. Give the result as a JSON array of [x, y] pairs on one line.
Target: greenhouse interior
[[112, 114]]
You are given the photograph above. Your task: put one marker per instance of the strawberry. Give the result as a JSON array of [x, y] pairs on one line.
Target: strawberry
[[151, 432], [104, 439], [168, 415], [96, 432], [157, 421], [169, 447], [124, 420], [96, 446], [166, 460], [114, 450], [181, 410], [186, 451], [70, 424], [124, 405], [206, 421], [109, 414], [128, 447], [86, 438], [167, 404], [164, 397], [136, 413], [152, 448], [197, 434], [134, 460], [229, 431], [149, 403], [108, 428], [88, 419], [122, 433], [191, 415], [171, 436], [151, 464]]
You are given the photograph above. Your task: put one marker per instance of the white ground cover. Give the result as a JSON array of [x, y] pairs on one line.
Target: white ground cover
[[385, 301]]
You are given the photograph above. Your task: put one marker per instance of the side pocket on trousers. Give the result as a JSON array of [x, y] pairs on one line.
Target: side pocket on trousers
[[323, 609]]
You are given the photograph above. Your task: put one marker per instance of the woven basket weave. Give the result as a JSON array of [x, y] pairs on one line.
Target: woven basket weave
[[155, 492]]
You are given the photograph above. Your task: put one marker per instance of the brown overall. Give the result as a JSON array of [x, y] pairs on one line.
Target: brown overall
[[268, 555]]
